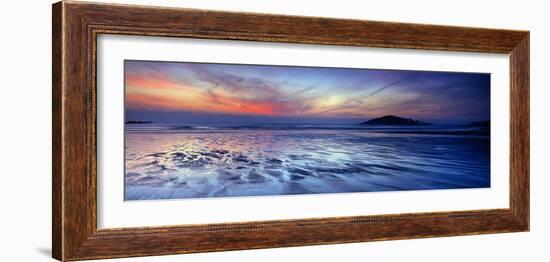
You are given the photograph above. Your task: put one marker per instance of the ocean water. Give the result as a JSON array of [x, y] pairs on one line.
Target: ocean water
[[176, 161]]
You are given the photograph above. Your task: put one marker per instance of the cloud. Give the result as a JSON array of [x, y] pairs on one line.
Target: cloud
[[304, 92], [359, 101], [256, 94]]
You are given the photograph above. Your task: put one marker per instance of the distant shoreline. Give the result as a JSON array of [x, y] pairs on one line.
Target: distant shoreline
[[139, 122], [484, 132]]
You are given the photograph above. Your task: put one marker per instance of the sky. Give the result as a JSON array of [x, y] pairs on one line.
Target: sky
[[232, 93]]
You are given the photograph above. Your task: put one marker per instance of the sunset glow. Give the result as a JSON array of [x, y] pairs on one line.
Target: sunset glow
[[199, 91]]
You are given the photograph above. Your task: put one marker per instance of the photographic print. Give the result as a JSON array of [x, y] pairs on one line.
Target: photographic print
[[200, 130]]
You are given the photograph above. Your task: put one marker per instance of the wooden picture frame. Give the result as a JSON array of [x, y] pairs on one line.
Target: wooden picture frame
[[76, 26]]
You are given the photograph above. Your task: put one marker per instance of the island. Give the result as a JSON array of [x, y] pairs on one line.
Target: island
[[391, 120], [139, 122]]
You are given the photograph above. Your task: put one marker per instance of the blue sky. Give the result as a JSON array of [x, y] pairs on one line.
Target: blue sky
[[205, 93]]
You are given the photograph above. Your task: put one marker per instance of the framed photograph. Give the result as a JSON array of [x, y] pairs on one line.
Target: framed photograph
[[182, 130]]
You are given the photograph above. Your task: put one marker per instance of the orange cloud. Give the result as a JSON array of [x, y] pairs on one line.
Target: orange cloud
[[184, 98]]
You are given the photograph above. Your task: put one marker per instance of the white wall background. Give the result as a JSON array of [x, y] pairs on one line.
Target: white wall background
[[25, 147]]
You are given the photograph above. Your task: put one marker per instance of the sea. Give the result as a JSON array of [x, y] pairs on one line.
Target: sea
[[181, 161]]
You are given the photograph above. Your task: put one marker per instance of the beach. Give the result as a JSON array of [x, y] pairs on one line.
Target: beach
[[178, 161]]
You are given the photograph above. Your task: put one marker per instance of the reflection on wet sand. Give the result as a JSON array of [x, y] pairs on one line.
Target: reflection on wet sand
[[255, 161]]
